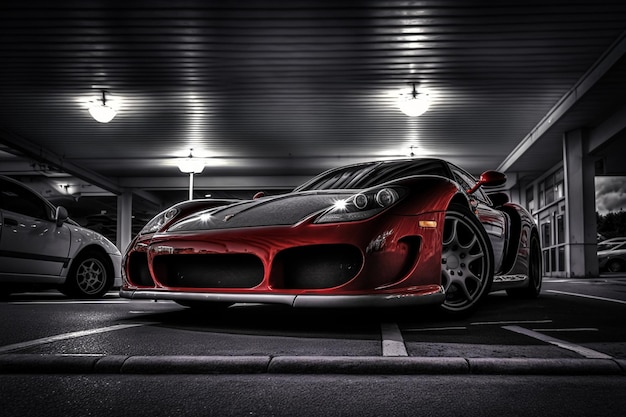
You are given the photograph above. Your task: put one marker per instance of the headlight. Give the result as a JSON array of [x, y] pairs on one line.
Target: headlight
[[361, 206], [159, 220]]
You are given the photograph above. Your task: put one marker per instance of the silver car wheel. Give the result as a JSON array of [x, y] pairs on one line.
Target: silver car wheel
[[466, 261], [91, 276]]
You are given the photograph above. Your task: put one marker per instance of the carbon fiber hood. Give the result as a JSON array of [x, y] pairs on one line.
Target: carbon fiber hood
[[287, 209]]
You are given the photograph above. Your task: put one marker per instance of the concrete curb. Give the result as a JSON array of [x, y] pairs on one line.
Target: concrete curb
[[355, 365]]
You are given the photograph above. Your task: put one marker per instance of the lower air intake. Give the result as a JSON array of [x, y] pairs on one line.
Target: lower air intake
[[209, 271], [317, 267], [138, 272]]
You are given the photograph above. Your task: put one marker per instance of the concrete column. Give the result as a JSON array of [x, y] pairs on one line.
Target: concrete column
[[581, 205], [124, 220]]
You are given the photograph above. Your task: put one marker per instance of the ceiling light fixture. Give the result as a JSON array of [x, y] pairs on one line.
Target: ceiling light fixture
[[191, 166], [412, 103], [100, 111]]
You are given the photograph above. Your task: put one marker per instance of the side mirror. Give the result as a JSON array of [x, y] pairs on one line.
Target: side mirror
[[60, 216], [488, 179]]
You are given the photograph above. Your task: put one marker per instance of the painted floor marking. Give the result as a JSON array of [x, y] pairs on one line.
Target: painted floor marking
[[435, 329], [65, 336], [583, 351], [499, 323], [573, 294], [579, 329], [393, 343]]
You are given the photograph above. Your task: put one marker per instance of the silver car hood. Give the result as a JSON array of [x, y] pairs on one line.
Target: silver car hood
[[286, 209]]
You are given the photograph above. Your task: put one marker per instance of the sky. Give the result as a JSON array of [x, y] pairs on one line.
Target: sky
[[610, 194]]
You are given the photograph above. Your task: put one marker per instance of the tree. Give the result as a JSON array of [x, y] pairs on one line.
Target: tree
[[612, 224]]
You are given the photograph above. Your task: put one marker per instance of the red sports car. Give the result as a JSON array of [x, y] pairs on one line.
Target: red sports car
[[384, 233]]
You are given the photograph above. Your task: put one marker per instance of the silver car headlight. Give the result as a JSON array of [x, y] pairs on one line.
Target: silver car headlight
[[362, 205], [159, 220]]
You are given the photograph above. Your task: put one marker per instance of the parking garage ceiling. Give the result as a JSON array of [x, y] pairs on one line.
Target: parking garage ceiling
[[272, 92]]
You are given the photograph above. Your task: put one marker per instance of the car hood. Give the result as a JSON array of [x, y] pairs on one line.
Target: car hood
[[286, 209]]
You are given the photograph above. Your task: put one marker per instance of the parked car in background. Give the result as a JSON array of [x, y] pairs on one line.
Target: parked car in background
[[612, 254], [40, 246]]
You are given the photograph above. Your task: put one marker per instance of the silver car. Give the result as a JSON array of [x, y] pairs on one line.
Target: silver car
[[40, 245], [612, 255]]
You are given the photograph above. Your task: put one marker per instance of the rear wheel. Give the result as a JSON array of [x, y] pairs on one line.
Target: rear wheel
[[466, 261], [89, 276], [615, 265], [534, 272]]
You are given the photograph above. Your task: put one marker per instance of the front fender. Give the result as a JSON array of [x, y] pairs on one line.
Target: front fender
[[427, 194]]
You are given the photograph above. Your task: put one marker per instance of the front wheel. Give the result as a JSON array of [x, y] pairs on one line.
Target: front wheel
[[466, 261], [89, 276]]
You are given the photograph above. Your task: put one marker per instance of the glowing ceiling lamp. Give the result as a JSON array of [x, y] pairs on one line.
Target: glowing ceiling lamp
[[412, 103], [100, 111], [191, 166]]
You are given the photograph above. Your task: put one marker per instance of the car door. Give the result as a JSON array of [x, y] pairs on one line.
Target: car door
[[31, 243], [494, 221]]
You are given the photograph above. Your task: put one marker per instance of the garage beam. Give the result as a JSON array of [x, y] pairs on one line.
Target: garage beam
[[586, 82], [607, 130], [41, 154], [214, 182]]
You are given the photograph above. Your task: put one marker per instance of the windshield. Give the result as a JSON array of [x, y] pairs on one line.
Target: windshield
[[370, 174]]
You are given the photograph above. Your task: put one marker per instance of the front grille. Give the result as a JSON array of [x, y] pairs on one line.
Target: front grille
[[137, 268], [316, 267], [209, 271]]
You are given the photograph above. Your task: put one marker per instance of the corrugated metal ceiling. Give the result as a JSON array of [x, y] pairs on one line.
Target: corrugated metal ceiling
[[275, 91]]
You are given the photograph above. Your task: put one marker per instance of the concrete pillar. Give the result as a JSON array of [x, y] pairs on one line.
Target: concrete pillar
[[581, 205], [124, 220]]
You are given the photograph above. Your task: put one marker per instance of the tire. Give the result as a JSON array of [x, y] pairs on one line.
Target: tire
[[466, 261], [615, 265], [535, 269], [89, 277]]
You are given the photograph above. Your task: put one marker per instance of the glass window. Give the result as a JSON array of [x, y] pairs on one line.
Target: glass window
[[371, 174], [549, 189], [466, 181], [530, 198], [559, 184], [545, 235], [20, 200], [561, 258], [560, 229]]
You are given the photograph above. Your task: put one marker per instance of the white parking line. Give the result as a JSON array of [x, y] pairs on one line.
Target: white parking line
[[583, 351], [579, 329], [499, 323], [393, 343], [65, 336], [593, 297], [435, 329]]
